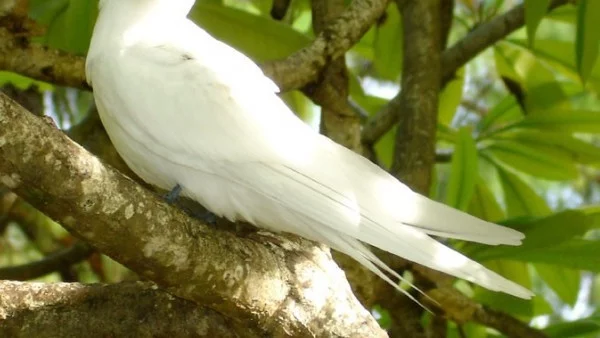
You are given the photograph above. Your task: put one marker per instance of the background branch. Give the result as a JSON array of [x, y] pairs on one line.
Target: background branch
[[414, 147], [54, 262]]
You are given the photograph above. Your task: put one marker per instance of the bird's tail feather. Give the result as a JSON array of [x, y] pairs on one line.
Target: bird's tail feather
[[407, 242], [445, 221]]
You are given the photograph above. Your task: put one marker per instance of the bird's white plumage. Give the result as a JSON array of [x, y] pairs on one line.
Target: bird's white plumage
[[184, 108]]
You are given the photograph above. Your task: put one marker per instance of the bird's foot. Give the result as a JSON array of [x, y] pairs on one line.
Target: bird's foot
[[207, 217], [173, 195], [203, 215]]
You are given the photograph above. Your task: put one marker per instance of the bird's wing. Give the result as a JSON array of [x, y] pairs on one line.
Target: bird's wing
[[223, 117]]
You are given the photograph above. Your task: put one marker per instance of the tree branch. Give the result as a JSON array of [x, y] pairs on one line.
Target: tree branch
[[284, 284], [55, 262], [338, 120], [414, 147], [452, 59], [120, 310], [462, 309], [483, 37], [20, 56], [304, 66]]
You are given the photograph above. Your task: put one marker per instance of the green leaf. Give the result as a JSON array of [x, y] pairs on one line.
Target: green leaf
[[507, 110], [538, 160], [300, 105], [575, 121], [70, 23], [463, 171], [538, 80], [555, 229], [574, 254], [520, 199], [445, 133], [450, 98], [388, 46], [564, 281], [551, 240], [563, 14], [22, 82], [534, 13], [385, 147], [588, 37], [565, 145], [515, 271], [561, 56], [262, 39], [578, 328], [484, 204]]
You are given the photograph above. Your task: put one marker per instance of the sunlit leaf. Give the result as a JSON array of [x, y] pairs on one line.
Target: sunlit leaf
[[505, 111], [515, 271], [22, 82], [588, 36], [562, 145], [577, 328], [484, 204], [534, 13], [262, 39], [388, 46], [564, 281], [538, 80], [551, 240], [451, 97], [576, 121], [385, 147], [561, 56], [520, 198], [463, 173], [539, 160], [69, 22]]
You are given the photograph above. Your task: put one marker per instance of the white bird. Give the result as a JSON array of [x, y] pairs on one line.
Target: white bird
[[184, 109]]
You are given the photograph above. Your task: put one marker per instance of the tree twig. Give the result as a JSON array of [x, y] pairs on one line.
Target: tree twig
[[55, 262]]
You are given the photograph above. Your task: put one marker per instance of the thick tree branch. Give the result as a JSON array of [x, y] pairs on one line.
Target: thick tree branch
[[299, 69], [338, 120], [304, 66], [283, 284], [414, 147], [120, 310], [20, 56], [453, 58]]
